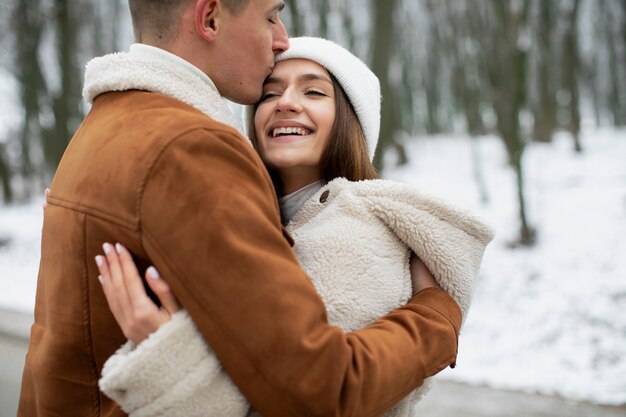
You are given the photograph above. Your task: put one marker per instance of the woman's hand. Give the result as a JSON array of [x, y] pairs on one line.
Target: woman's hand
[[420, 275], [137, 315], [45, 202]]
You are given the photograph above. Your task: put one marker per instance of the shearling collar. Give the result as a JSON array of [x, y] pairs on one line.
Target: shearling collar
[[152, 69]]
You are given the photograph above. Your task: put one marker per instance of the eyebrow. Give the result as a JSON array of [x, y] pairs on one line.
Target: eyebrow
[[302, 78], [278, 7]]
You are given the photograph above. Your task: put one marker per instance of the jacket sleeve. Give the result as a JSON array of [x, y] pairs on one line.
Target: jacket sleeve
[[451, 241], [172, 373], [210, 223]]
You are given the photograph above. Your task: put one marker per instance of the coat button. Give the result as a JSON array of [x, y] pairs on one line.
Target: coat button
[[324, 196]]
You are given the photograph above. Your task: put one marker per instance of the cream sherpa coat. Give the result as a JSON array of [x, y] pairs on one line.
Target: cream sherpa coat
[[354, 239]]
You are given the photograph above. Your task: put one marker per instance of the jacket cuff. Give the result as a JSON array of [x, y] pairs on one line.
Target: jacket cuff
[[163, 374], [441, 302]]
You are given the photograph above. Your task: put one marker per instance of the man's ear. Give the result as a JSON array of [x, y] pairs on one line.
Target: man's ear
[[207, 17]]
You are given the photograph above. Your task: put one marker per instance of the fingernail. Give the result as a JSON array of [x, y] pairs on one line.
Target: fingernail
[[119, 248], [101, 279], [107, 248], [153, 273], [100, 261]]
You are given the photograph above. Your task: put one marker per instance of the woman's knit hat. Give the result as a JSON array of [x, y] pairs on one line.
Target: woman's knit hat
[[357, 80]]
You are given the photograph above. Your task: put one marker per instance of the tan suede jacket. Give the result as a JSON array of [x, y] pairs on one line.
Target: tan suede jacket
[[189, 195]]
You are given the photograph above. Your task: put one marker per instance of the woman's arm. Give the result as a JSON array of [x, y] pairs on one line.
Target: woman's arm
[[421, 277], [166, 368]]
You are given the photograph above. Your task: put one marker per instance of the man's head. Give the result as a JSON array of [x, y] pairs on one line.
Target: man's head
[[156, 22], [233, 41]]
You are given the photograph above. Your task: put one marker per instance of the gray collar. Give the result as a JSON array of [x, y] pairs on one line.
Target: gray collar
[[292, 203]]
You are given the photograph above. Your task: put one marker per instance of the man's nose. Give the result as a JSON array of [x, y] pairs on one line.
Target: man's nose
[[281, 39]]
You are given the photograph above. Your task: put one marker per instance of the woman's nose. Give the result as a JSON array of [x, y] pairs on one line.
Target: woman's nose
[[289, 101]]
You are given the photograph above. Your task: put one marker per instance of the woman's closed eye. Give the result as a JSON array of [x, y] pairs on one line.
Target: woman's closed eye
[[315, 93], [268, 95]]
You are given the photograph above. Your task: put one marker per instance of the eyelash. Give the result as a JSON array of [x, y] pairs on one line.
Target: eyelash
[[266, 96], [308, 92]]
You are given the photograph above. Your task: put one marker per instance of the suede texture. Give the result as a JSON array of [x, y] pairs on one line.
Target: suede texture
[[190, 196]]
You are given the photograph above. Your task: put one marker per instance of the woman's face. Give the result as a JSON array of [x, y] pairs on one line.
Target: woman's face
[[295, 116]]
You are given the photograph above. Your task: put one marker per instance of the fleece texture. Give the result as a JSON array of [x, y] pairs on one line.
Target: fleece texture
[[173, 364], [152, 69], [354, 239]]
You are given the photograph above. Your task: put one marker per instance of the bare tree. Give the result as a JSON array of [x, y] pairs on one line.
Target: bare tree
[[467, 81], [5, 176], [296, 27], [66, 101], [571, 71], [545, 110], [506, 42], [323, 11], [616, 99], [383, 42], [434, 64], [28, 24]]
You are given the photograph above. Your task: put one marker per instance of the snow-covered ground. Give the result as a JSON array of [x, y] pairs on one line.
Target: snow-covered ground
[[551, 318]]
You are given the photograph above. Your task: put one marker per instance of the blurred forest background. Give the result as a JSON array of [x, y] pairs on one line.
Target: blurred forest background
[[519, 69]]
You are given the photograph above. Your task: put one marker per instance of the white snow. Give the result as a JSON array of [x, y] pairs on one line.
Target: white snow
[[20, 250], [551, 318], [547, 319], [12, 113]]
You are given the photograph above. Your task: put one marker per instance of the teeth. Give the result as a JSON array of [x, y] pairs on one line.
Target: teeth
[[290, 131]]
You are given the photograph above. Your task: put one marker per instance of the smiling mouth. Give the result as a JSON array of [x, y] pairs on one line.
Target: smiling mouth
[[290, 131]]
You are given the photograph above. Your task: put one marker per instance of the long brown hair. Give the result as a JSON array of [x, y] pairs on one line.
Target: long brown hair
[[345, 154]]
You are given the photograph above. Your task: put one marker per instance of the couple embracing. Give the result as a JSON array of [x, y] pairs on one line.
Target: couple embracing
[[281, 277]]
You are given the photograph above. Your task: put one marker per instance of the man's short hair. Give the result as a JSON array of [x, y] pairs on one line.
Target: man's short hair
[[160, 18], [235, 6]]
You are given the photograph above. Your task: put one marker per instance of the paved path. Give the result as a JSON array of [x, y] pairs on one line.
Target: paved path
[[446, 399], [449, 399], [12, 354]]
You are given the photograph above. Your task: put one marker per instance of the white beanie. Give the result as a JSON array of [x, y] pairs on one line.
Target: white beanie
[[357, 80]]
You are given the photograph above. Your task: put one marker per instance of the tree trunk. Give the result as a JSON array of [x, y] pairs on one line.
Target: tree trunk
[[433, 73], [5, 176], [323, 16], [27, 23], [545, 110], [507, 72], [348, 25], [115, 25], [297, 26], [67, 101], [617, 107], [527, 233], [571, 68], [383, 41]]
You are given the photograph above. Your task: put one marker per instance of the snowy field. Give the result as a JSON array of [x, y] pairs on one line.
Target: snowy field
[[549, 319], [552, 318]]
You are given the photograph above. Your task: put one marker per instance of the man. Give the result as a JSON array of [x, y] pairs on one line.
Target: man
[[188, 194]]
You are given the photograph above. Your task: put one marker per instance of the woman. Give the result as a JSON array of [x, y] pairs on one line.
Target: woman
[[316, 128]]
